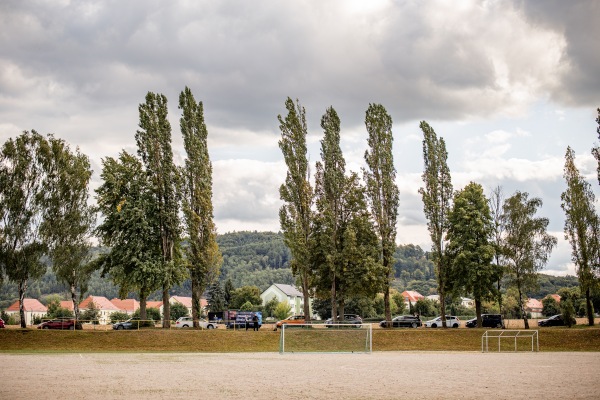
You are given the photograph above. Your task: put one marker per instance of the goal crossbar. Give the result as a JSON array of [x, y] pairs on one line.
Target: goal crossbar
[[318, 338], [510, 335]]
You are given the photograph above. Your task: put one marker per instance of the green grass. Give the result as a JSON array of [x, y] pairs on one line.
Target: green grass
[[221, 340]]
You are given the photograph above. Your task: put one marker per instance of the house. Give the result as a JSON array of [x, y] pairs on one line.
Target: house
[[467, 302], [155, 304], [186, 301], [66, 304], [128, 306], [534, 307], [285, 293], [102, 304], [32, 308], [411, 297]]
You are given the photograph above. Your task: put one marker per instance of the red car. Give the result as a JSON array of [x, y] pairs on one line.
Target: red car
[[66, 324], [2, 323]]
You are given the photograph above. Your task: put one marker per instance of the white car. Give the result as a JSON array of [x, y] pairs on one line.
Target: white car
[[451, 322], [188, 322]]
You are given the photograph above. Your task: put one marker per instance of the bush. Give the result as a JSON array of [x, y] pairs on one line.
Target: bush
[[282, 311], [119, 316], [178, 310], [152, 316], [568, 312]]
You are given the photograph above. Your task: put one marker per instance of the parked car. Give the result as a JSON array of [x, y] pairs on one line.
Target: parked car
[[402, 321], [292, 320], [188, 322], [2, 323], [349, 319], [451, 322], [555, 320], [487, 321], [65, 324], [131, 323]]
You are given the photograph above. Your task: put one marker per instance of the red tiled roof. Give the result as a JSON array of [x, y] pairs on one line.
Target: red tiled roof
[[186, 301], [534, 305], [555, 297], [32, 305], [68, 304], [129, 305], [101, 303], [154, 304], [412, 295]]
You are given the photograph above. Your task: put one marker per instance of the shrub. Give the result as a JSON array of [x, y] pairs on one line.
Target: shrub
[[119, 316], [178, 310]]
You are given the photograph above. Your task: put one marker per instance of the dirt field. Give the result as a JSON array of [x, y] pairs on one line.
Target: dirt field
[[380, 375]]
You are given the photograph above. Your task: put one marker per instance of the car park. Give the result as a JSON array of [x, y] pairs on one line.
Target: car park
[[555, 320], [188, 322], [349, 319], [451, 322], [402, 321], [292, 320], [487, 321], [62, 324]]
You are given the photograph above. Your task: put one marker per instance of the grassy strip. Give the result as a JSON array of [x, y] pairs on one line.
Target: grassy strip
[[218, 341]]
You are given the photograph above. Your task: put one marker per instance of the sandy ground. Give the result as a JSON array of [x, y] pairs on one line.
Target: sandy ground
[[380, 375]]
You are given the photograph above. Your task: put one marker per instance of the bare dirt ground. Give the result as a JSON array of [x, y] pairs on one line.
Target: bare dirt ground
[[380, 375]]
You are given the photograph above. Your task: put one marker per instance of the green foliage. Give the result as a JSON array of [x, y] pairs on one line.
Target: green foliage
[[568, 312], [398, 303], [282, 310], [270, 306], [551, 306], [425, 307], [179, 310], [119, 316], [152, 314], [91, 314], [216, 298], [247, 306], [245, 294]]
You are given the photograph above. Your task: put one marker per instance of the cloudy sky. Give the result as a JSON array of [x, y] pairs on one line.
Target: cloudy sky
[[509, 85]]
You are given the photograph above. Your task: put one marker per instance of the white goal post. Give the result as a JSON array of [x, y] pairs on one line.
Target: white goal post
[[509, 340], [317, 338]]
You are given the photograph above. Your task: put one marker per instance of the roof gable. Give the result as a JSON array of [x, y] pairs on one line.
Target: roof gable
[[126, 304], [100, 302], [289, 290], [31, 305]]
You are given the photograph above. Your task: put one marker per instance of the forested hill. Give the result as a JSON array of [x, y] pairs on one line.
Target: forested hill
[[260, 259]]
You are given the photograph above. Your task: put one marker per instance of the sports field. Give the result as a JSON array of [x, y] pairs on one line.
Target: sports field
[[380, 375]]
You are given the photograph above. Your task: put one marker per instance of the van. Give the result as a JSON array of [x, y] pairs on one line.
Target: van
[[487, 321]]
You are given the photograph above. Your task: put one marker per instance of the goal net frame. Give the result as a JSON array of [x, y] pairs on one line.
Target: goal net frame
[[508, 338], [319, 338]]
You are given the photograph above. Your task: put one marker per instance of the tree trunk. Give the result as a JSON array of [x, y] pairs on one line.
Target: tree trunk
[[333, 301], [443, 308], [166, 308], [22, 289], [478, 312], [341, 310], [386, 304], [143, 297], [195, 302], [589, 308], [75, 305], [306, 294], [523, 313]]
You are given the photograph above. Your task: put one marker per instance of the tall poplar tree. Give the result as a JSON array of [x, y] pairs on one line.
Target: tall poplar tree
[[23, 185], [469, 249], [596, 149], [437, 195], [496, 202], [69, 219], [382, 191], [154, 148], [526, 245], [203, 258], [582, 229], [295, 216]]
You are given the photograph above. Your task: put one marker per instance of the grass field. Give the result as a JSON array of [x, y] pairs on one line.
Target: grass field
[[579, 339]]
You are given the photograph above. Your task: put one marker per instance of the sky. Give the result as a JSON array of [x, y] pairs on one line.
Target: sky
[[507, 84]]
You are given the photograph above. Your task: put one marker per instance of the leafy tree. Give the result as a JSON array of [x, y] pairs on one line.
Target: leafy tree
[[91, 314], [216, 298], [154, 148], [526, 246], [69, 219], [24, 163], [152, 314], [344, 244], [469, 250], [436, 196], [247, 306], [178, 310], [382, 191], [398, 302], [270, 306], [568, 312], [245, 294], [551, 306], [425, 307], [282, 310], [296, 194], [582, 229], [203, 255], [119, 316], [228, 292], [127, 230], [496, 201], [596, 149]]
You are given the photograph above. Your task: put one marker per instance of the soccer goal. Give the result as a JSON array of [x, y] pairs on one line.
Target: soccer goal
[[510, 340], [309, 338]]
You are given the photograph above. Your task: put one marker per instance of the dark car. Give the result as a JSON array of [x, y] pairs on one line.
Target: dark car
[[63, 324], [353, 320], [131, 323], [555, 320], [487, 321], [402, 321]]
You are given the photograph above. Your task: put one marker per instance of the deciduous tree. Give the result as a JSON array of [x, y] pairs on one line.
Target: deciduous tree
[[582, 229], [437, 195], [526, 246]]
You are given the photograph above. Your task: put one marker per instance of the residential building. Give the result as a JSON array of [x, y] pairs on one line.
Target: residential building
[[32, 308], [534, 307], [411, 297], [285, 293], [128, 306], [102, 304]]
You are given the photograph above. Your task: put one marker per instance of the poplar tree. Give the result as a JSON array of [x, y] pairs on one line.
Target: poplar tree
[[203, 258], [469, 249], [23, 185], [295, 215], [154, 148], [582, 229], [596, 149], [69, 220], [526, 245], [437, 195], [382, 192], [496, 201]]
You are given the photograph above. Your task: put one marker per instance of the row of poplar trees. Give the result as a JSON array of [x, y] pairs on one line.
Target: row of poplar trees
[[44, 192], [341, 233]]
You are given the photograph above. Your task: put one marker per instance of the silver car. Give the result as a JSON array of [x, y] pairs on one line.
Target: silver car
[[451, 322], [188, 322]]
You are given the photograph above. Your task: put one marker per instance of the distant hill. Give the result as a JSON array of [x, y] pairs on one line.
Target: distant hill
[[261, 259]]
